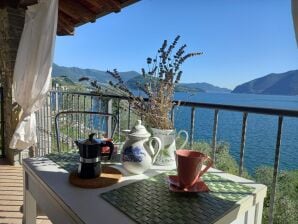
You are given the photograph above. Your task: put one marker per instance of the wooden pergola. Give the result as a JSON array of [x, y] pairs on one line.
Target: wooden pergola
[[71, 14], [74, 13]]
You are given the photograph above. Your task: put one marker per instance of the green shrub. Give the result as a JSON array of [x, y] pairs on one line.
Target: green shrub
[[286, 196]]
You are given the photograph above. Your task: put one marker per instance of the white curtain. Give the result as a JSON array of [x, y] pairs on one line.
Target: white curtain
[[32, 72], [295, 17]]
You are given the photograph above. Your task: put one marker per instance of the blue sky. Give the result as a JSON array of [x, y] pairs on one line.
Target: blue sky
[[240, 40]]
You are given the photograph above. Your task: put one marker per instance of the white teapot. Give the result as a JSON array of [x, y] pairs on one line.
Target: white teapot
[[138, 154]]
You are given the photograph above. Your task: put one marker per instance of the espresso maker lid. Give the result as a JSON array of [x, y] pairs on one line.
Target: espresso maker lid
[[90, 141]]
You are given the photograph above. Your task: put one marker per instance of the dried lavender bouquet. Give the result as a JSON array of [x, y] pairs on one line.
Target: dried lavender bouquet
[[164, 72]]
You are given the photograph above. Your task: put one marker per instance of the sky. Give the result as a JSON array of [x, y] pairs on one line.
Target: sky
[[240, 40]]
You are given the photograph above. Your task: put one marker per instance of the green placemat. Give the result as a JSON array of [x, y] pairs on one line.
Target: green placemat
[[70, 160], [150, 201], [65, 160]]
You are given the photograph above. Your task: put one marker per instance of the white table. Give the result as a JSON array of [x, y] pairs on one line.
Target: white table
[[46, 186]]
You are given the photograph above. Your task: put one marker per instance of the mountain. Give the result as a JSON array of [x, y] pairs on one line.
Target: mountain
[[75, 73], [273, 84], [133, 84], [131, 78], [62, 81], [206, 87], [182, 87]]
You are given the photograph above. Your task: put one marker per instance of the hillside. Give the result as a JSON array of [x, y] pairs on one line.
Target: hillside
[[131, 78], [206, 87], [273, 84], [133, 84], [74, 73]]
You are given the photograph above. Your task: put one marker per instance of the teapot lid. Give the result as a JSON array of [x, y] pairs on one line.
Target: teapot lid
[[90, 141], [139, 130]]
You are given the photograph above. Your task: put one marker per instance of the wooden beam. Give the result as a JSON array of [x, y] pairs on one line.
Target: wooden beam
[[67, 18], [94, 6], [75, 10], [64, 24], [111, 5], [115, 5], [78, 12], [62, 32]]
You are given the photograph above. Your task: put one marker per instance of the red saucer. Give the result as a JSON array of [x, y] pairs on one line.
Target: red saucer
[[198, 186]]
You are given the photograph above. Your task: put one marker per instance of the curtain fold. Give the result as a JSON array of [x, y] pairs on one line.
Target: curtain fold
[[32, 72]]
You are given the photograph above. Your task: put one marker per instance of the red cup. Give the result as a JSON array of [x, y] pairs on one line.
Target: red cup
[[189, 166]]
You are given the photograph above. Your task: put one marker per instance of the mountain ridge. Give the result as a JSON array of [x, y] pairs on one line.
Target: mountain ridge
[[285, 83], [129, 77]]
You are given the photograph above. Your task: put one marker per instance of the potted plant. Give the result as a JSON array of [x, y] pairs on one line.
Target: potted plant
[[158, 84]]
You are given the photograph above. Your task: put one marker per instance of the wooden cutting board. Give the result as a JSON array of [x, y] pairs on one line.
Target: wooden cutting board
[[108, 177]]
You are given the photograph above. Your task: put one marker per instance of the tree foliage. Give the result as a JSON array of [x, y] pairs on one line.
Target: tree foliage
[[286, 196]]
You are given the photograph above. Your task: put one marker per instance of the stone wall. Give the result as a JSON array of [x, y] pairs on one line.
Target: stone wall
[[11, 26]]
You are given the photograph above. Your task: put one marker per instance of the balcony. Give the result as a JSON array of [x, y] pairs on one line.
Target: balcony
[[77, 124], [67, 116]]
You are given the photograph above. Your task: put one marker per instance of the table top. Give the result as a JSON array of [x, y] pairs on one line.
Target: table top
[[90, 207]]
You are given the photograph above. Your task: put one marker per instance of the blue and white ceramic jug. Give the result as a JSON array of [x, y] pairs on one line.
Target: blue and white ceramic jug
[[138, 154]]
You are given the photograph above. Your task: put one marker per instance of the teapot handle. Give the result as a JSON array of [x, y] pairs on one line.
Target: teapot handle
[[186, 138], [154, 154]]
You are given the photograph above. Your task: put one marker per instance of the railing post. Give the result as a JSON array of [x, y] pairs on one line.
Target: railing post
[[85, 120], [91, 116], [57, 97], [192, 126], [37, 133], [72, 119], [67, 126], [78, 122], [118, 120], [49, 125], [128, 120], [275, 171], [173, 114], [243, 139], [214, 135], [110, 111], [42, 144]]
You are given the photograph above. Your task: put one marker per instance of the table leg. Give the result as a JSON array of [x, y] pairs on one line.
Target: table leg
[[29, 205], [30, 208], [259, 212]]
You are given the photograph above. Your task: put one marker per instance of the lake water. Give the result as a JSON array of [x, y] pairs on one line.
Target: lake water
[[261, 129]]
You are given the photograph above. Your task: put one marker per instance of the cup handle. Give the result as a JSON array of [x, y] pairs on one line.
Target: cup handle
[[210, 163], [186, 138]]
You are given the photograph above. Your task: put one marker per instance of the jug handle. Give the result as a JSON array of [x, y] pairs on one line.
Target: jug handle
[[186, 138], [152, 150]]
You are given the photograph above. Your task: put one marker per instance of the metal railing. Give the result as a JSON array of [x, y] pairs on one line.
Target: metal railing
[[62, 101], [74, 126], [109, 117]]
